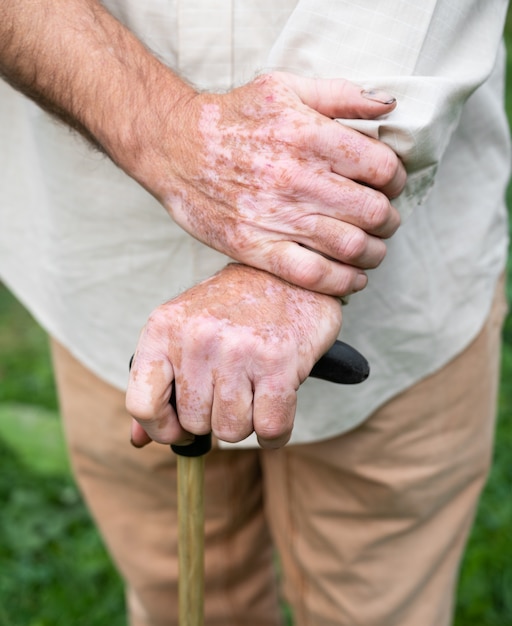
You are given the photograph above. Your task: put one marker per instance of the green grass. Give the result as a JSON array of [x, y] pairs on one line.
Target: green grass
[[485, 590], [54, 570]]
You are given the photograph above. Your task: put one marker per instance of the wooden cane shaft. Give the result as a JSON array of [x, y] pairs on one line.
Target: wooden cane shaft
[[191, 540]]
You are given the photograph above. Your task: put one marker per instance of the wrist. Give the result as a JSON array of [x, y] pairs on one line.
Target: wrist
[[139, 134]]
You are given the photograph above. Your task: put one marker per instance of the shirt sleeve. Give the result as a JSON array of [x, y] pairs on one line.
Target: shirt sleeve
[[430, 54]]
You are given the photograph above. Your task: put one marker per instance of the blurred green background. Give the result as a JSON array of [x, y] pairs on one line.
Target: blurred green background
[[54, 570]]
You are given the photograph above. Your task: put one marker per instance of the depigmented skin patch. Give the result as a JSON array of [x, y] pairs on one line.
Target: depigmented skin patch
[[253, 300], [156, 381], [240, 335], [245, 302], [259, 169]]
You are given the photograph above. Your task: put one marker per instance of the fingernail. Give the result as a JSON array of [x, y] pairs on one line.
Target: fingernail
[[377, 95]]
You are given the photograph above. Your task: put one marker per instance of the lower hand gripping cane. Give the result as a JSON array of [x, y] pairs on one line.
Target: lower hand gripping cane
[[340, 364]]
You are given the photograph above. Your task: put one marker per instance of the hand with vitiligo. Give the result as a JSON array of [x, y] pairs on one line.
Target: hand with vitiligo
[[237, 346]]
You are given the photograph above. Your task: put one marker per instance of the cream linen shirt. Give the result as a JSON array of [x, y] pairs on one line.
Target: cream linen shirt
[[91, 253]]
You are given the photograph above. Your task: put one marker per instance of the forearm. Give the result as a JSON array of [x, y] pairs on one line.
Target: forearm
[[83, 66]]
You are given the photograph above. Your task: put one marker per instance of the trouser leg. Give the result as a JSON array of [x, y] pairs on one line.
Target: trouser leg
[[371, 525], [132, 496]]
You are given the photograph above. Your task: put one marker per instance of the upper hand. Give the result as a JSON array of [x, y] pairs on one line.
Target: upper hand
[[237, 347], [265, 175]]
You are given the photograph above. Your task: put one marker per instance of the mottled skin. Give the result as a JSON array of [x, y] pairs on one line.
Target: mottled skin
[[264, 175], [237, 346]]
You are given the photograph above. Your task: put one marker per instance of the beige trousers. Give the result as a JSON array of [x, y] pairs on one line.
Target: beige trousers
[[369, 527]]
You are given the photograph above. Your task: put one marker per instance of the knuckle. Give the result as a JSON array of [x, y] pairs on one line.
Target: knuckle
[[346, 282], [377, 212], [272, 86], [157, 320], [141, 411], [157, 315], [355, 244], [386, 167], [378, 253], [309, 275], [275, 414], [231, 429]]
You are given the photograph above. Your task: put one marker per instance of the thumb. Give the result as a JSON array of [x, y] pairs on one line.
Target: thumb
[[139, 437], [337, 97]]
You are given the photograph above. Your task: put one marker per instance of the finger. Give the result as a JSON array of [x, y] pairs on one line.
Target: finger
[[139, 437], [306, 268], [232, 408], [346, 244], [274, 413], [194, 394], [329, 195], [357, 157], [396, 185], [147, 399], [363, 207], [339, 97], [309, 268], [364, 159], [162, 426]]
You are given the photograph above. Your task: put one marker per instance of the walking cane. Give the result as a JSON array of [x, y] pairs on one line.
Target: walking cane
[[341, 364], [190, 468]]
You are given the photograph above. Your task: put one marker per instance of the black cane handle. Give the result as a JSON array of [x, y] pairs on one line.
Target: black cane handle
[[341, 364]]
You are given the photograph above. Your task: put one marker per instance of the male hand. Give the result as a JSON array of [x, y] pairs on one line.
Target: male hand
[[237, 346], [265, 175]]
